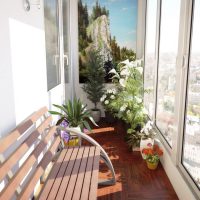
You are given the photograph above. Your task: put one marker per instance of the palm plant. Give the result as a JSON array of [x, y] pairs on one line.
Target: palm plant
[[75, 113]]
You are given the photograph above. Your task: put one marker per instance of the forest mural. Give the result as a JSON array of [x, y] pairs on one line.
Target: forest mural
[[108, 27]]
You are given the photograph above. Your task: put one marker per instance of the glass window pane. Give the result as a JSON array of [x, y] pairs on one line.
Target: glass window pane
[[191, 145], [52, 47], [169, 31], [65, 38], [150, 56]]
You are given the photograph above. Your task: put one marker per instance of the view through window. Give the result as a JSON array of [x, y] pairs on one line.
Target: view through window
[[169, 32], [191, 147]]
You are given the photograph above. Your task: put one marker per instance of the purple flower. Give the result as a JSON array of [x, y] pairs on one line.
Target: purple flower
[[64, 134], [64, 123]]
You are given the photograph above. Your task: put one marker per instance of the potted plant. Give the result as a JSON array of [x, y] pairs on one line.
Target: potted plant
[[147, 136], [94, 86], [73, 114], [128, 102], [152, 155], [106, 100]]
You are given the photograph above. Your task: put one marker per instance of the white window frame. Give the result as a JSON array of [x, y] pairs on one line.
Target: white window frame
[[182, 67]]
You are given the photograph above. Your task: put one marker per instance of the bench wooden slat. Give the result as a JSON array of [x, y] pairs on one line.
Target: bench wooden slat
[[32, 159], [11, 161], [25, 194], [47, 187], [6, 142], [73, 177], [95, 173], [65, 181], [52, 186], [59, 177], [88, 174], [79, 182]]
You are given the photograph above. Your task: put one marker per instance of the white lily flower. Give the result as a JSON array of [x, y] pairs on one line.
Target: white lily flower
[[128, 112], [114, 91], [125, 72], [122, 82], [140, 69], [138, 100], [106, 102], [112, 96], [123, 108]]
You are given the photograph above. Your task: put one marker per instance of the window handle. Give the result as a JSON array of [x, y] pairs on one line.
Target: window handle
[[66, 58], [184, 61]]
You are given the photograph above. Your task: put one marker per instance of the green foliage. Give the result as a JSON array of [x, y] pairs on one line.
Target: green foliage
[[83, 22], [94, 86], [120, 54], [133, 138], [128, 104], [107, 99], [127, 54], [75, 113]]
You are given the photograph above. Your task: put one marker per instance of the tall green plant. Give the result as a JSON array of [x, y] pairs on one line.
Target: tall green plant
[[128, 104], [94, 86], [75, 113]]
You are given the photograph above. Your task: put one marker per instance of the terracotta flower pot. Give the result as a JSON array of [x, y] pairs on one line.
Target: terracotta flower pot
[[152, 166]]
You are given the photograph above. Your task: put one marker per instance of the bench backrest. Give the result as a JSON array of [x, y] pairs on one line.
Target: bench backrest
[[25, 154]]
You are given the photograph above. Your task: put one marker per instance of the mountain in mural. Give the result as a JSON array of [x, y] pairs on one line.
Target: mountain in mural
[[99, 32]]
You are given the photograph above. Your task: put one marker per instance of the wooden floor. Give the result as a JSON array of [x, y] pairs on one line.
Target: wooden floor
[[134, 180]]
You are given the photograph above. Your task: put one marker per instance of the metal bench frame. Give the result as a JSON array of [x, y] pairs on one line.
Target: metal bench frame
[[103, 155]]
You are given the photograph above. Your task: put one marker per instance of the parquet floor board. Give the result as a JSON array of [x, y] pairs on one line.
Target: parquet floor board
[[134, 180]]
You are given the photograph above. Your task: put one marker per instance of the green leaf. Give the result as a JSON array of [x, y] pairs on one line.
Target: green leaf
[[87, 125], [60, 107], [55, 113], [60, 121]]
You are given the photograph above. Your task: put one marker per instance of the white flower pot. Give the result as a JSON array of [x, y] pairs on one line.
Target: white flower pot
[[96, 115], [144, 144]]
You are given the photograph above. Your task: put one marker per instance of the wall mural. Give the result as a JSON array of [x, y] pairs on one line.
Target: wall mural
[[109, 27]]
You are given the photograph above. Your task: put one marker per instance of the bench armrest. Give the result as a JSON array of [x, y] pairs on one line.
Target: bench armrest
[[104, 155]]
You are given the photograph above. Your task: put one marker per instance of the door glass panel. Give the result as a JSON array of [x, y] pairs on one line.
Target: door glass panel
[[150, 56], [191, 144], [52, 46], [66, 39], [169, 32]]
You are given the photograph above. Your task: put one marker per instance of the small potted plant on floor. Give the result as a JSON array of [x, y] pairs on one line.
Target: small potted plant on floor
[[152, 155], [147, 136], [94, 86], [106, 100], [73, 114]]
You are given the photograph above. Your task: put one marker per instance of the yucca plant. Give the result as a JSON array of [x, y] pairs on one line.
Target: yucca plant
[[75, 113]]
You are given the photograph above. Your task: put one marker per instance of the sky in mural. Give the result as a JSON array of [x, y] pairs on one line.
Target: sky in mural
[[123, 19]]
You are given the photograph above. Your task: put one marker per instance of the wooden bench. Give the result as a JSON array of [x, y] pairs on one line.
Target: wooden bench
[[29, 150]]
